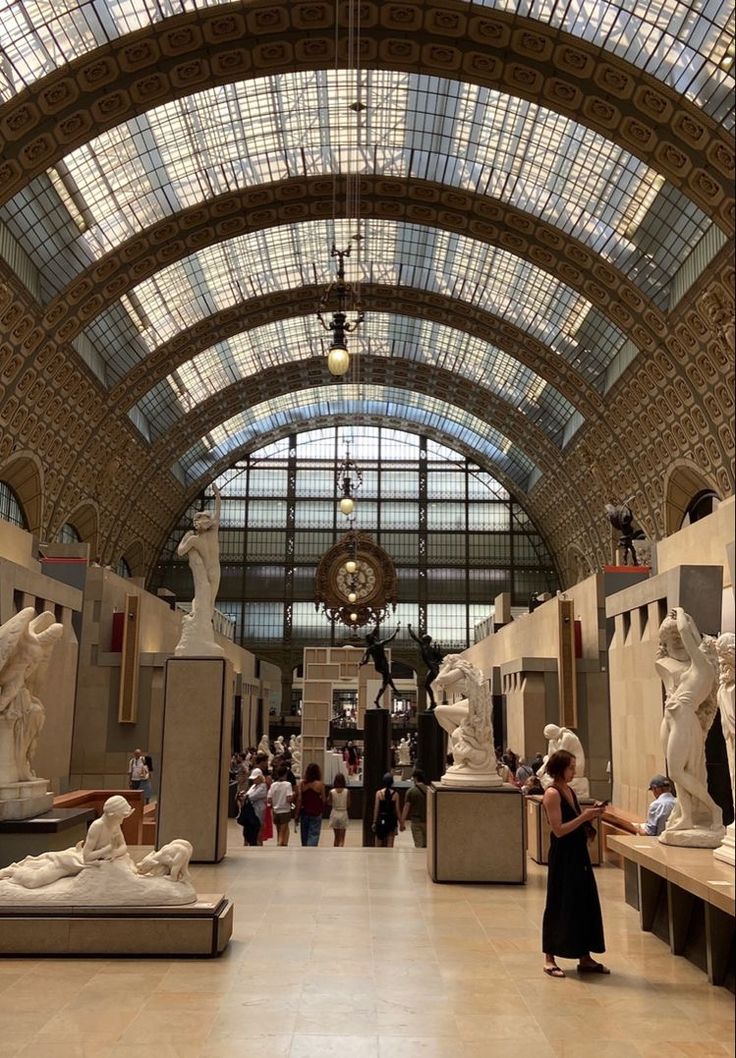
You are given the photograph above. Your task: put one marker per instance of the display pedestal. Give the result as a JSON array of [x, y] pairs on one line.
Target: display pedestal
[[476, 835], [195, 755], [55, 830], [203, 929], [538, 832], [23, 800], [431, 752], [376, 762], [726, 851]]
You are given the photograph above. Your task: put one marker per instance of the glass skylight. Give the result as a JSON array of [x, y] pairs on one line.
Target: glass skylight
[[684, 43], [295, 410], [397, 337], [269, 129]]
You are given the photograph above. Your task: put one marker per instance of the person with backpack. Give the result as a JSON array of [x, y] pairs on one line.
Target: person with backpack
[[415, 809], [386, 814]]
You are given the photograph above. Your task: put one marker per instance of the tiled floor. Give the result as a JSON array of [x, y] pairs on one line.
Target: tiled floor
[[357, 954]]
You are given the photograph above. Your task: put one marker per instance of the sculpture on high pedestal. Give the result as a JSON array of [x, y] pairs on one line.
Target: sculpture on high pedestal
[[432, 657], [374, 652], [201, 545], [26, 643], [469, 724], [565, 738], [99, 872], [725, 698], [687, 666], [621, 518]]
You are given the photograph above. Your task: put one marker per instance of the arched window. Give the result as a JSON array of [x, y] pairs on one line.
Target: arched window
[[700, 506], [10, 508], [68, 534], [122, 568]]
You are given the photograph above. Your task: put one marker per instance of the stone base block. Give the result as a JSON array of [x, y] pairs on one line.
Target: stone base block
[[23, 800], [58, 829], [476, 835], [726, 851], [202, 929]]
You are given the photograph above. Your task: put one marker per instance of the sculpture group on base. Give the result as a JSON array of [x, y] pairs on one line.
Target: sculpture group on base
[[687, 666], [26, 643], [469, 724], [98, 872]]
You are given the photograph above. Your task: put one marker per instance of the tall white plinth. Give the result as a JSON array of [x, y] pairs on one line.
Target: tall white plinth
[[476, 835], [726, 851], [195, 756]]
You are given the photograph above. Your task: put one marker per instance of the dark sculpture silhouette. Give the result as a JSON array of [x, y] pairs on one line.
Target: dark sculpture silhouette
[[622, 519], [432, 656], [374, 652]]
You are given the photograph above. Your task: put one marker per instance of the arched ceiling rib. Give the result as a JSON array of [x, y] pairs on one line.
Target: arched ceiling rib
[[232, 323], [523, 58], [683, 44], [381, 335], [222, 428], [299, 125]]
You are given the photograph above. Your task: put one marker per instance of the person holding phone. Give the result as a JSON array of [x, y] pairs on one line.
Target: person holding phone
[[572, 926]]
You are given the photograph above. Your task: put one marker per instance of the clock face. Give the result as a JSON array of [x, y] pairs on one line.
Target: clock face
[[363, 582]]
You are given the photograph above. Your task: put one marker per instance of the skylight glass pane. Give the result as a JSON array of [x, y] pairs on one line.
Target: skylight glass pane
[[396, 337], [236, 136], [417, 410], [682, 42], [395, 254]]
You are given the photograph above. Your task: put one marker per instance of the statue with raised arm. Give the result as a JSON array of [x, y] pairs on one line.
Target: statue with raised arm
[[375, 652], [687, 666], [26, 643], [201, 545], [432, 657], [469, 724], [621, 518], [726, 692]]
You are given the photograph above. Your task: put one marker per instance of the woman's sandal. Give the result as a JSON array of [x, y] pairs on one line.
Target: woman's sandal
[[594, 968], [554, 971]]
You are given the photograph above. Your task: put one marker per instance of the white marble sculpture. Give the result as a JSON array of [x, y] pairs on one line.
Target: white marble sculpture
[[687, 666], [26, 643], [201, 545], [725, 698], [565, 738], [264, 747], [404, 752], [279, 746], [469, 724], [99, 871]]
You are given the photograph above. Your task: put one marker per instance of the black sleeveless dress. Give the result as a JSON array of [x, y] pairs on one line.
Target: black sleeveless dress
[[572, 925]]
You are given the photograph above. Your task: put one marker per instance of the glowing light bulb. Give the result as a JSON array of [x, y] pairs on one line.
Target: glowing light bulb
[[338, 360], [351, 566], [352, 597], [353, 616], [346, 505]]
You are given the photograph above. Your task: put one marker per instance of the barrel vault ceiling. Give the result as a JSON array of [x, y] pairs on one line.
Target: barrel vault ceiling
[[544, 195]]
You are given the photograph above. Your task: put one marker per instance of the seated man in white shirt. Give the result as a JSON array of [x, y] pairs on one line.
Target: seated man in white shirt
[[659, 809]]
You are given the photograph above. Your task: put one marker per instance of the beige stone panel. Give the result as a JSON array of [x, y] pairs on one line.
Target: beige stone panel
[[703, 543], [317, 691], [525, 713], [19, 935], [476, 835]]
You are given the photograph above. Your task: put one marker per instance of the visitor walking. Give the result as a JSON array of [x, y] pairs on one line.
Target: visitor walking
[[386, 814], [280, 799], [415, 809], [339, 799], [310, 805]]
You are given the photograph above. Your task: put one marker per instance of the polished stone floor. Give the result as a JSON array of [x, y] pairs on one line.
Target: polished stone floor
[[356, 953]]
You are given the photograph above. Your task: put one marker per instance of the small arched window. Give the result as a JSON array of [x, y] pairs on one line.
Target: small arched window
[[700, 506], [10, 508], [68, 534]]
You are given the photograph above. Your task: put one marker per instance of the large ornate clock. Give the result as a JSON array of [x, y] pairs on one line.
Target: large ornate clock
[[356, 581]]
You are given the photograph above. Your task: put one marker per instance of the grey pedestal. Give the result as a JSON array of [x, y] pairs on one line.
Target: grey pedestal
[[476, 835], [195, 757], [58, 829], [431, 752], [376, 762]]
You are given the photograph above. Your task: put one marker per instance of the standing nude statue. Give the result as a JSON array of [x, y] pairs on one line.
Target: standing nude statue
[[201, 545], [432, 657], [725, 645], [374, 652], [686, 664]]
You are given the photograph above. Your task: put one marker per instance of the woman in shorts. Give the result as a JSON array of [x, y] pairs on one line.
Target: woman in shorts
[[281, 798], [339, 798]]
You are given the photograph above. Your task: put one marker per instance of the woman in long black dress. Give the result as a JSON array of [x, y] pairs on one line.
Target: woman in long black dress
[[572, 926]]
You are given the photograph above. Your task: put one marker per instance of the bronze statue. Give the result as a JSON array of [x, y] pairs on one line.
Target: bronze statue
[[622, 519], [432, 656], [374, 651]]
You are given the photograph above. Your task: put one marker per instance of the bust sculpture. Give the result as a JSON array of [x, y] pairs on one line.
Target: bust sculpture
[[725, 698], [99, 871], [687, 666], [565, 738], [469, 725], [26, 643], [201, 545]]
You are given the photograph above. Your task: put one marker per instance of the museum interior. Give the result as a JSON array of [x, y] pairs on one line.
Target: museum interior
[[367, 487]]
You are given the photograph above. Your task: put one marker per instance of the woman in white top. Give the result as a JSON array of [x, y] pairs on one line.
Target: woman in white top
[[338, 820], [281, 797]]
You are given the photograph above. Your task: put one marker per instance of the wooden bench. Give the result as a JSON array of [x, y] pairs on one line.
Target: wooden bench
[[686, 898], [95, 799]]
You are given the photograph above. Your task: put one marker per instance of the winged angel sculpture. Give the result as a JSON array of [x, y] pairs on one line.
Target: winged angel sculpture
[[26, 642]]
